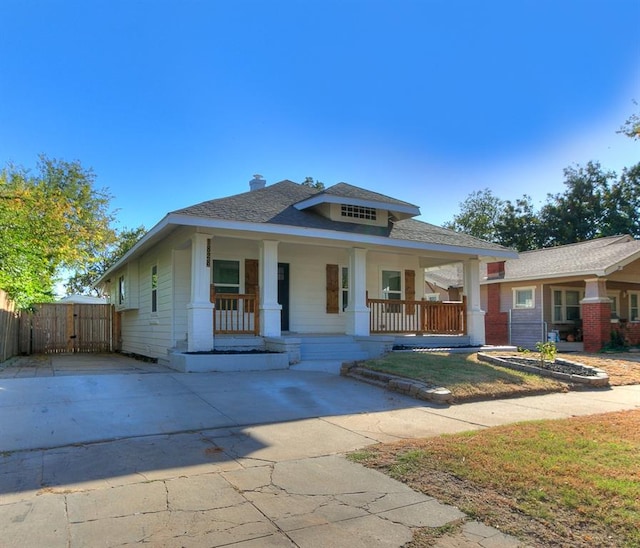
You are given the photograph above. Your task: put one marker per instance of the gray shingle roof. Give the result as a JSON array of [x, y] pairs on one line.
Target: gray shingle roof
[[593, 256], [349, 191], [273, 204]]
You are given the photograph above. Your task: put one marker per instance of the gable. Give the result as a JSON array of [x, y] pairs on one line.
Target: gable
[[599, 257]]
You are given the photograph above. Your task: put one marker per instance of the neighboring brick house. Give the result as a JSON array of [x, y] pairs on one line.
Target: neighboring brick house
[[583, 293]]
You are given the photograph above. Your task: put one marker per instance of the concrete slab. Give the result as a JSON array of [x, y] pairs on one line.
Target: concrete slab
[[229, 459], [389, 426]]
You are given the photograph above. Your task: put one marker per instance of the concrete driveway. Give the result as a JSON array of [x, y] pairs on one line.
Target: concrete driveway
[[238, 459]]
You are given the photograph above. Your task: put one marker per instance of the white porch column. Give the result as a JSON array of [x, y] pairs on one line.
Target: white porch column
[[200, 307], [475, 315], [270, 309], [357, 313]]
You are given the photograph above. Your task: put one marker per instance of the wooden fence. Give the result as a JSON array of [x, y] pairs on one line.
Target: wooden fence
[[69, 327], [9, 328]]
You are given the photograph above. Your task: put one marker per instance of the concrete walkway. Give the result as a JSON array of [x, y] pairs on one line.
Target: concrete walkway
[[246, 460]]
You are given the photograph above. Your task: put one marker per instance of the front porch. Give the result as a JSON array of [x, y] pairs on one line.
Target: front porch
[[237, 314], [309, 351]]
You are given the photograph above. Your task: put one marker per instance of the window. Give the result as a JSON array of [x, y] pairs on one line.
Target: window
[[358, 212], [392, 288], [634, 307], [613, 296], [226, 276], [344, 287], [121, 290], [566, 305], [226, 279], [154, 288], [524, 297]]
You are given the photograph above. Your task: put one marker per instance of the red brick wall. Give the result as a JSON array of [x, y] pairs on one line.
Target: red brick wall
[[630, 332], [495, 322], [596, 325]]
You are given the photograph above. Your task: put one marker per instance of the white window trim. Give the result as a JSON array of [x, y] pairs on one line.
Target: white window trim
[[122, 291], [380, 281], [515, 291], [240, 262], [154, 289], [343, 290], [614, 295], [564, 289], [636, 318]]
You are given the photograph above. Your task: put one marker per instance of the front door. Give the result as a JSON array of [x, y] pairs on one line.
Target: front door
[[283, 295]]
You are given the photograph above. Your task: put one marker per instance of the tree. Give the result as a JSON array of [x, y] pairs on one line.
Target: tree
[[622, 204], [83, 280], [478, 216], [309, 181], [49, 220], [631, 128], [518, 225], [579, 213]]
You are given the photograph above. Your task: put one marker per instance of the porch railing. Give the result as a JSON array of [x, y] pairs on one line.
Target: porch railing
[[420, 317], [236, 313]]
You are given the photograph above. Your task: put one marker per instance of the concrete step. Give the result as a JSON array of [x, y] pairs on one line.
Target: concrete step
[[434, 341], [325, 366], [343, 354], [341, 348]]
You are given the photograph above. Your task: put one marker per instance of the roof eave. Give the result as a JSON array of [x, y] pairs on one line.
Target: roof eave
[[287, 230]]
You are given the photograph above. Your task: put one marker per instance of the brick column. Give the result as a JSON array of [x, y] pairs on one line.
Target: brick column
[[496, 322], [596, 315]]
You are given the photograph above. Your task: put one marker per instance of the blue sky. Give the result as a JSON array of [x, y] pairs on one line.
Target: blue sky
[[177, 102]]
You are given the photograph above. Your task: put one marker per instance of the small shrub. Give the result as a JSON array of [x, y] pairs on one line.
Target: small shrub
[[548, 351], [616, 342]]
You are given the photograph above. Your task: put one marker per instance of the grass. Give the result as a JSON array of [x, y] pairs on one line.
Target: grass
[[573, 482], [465, 376]]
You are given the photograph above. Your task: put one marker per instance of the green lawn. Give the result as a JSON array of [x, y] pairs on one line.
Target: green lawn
[[463, 374]]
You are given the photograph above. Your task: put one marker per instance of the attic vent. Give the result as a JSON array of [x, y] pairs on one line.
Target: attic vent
[[358, 212]]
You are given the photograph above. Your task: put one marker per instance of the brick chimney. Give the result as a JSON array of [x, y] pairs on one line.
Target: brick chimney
[[495, 271], [257, 182]]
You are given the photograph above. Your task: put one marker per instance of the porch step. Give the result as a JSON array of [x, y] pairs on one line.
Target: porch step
[[433, 341], [332, 348], [325, 366]]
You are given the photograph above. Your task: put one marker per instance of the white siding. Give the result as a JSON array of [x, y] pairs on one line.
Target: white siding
[[308, 294], [152, 334]]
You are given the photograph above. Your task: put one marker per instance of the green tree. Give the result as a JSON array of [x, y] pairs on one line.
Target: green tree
[[311, 183], [479, 214], [622, 204], [51, 220], [82, 281], [579, 213], [518, 225], [631, 128]]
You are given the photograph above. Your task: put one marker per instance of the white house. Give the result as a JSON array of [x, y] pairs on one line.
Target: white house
[[276, 266]]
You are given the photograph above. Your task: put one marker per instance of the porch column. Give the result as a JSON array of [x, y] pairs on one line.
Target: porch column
[[270, 309], [200, 307], [357, 313], [475, 315], [596, 315]]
